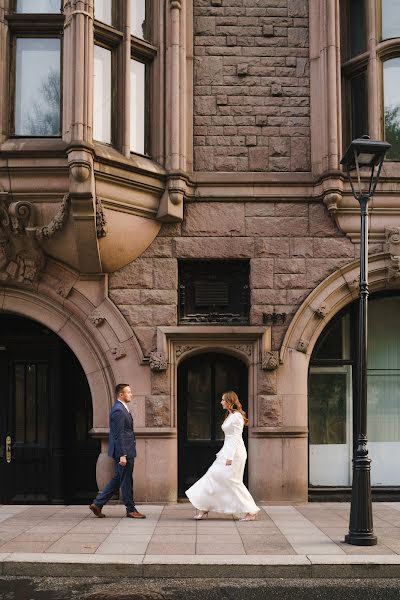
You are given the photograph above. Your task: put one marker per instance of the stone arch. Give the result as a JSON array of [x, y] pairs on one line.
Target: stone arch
[[79, 311], [328, 298]]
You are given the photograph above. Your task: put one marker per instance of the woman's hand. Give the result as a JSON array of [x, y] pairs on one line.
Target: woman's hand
[[228, 462]]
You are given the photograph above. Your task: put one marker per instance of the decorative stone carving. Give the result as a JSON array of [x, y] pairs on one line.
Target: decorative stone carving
[[270, 411], [158, 361], [270, 360], [48, 231], [118, 352], [64, 289], [331, 201], [101, 223], [176, 4], [321, 311], [392, 236], [96, 318], [21, 258], [302, 346], [179, 350], [245, 348], [157, 411]]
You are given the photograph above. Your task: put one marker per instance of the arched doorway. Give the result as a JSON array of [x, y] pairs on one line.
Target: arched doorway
[[332, 385], [201, 381], [47, 454]]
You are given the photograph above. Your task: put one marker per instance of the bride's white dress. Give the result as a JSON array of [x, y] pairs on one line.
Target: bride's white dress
[[222, 489]]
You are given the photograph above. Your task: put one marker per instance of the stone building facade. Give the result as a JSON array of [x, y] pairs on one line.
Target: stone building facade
[[248, 111]]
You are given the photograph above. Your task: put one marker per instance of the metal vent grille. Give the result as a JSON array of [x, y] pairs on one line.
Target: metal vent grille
[[211, 293]]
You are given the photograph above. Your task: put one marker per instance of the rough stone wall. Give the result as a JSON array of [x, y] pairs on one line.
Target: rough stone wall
[[251, 85], [292, 247]]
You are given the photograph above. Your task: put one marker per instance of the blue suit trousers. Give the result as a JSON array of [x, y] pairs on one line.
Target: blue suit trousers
[[122, 479]]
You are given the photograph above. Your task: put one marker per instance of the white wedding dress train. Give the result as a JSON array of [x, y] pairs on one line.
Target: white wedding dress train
[[222, 489]]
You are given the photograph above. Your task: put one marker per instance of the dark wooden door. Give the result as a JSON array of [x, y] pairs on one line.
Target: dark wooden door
[[47, 455], [28, 388], [202, 381]]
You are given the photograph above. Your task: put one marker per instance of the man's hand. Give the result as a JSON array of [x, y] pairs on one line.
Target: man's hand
[[228, 462], [122, 461]]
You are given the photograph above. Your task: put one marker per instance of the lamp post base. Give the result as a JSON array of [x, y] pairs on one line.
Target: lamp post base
[[361, 539]]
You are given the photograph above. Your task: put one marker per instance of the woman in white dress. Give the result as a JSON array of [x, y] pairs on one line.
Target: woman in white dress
[[222, 489]]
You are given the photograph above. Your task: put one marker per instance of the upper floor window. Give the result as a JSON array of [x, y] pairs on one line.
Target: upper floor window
[[38, 6], [390, 19], [115, 80], [37, 87], [35, 75], [371, 98]]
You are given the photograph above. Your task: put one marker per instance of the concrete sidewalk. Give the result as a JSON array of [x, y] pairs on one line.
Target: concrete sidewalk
[[285, 541]]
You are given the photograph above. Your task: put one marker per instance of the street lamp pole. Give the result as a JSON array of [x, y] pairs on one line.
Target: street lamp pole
[[362, 153]]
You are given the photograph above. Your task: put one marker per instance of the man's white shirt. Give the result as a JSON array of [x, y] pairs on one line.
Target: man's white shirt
[[126, 406]]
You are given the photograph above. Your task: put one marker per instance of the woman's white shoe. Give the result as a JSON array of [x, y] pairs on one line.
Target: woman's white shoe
[[202, 514]]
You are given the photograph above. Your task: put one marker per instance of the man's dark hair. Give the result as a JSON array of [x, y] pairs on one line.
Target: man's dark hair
[[119, 387]]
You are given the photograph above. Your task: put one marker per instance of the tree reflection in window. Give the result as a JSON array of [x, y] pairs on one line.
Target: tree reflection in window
[[37, 94], [391, 73]]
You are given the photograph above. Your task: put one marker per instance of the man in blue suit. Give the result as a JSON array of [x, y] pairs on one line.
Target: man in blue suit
[[122, 448]]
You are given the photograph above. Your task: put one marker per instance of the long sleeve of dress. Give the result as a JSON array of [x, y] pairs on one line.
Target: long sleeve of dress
[[234, 437]]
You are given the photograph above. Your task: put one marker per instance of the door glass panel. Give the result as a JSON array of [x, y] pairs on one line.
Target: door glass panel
[[391, 77], [42, 401], [31, 408], [19, 384], [390, 19], [334, 343], [103, 11], [38, 6], [138, 17], [138, 73], [327, 408], [37, 87], [198, 402], [330, 425], [102, 95]]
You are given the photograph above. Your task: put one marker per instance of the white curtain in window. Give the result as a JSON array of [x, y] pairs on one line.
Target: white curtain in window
[[138, 16], [137, 132], [103, 11], [102, 95]]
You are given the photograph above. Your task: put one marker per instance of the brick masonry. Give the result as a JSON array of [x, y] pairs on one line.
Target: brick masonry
[[251, 85]]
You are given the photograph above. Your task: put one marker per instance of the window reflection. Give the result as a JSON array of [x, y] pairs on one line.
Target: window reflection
[[38, 6], [37, 93], [102, 95], [137, 106], [327, 407], [103, 11], [357, 27], [138, 17], [390, 19], [391, 75]]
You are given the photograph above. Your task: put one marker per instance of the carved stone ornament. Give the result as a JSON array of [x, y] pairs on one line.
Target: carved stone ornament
[[392, 235], [270, 360], [21, 258], [245, 348], [321, 311], [176, 4], [118, 352], [56, 224], [96, 318], [331, 201], [179, 350], [302, 346], [158, 361], [101, 223]]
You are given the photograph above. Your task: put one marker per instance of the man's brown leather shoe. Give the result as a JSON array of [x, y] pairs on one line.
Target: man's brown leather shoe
[[135, 515], [96, 511]]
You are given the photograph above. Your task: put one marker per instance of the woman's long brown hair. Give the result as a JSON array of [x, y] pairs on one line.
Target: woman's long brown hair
[[233, 402]]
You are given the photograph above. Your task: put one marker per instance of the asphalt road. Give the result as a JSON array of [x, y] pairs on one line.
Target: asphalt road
[[197, 589]]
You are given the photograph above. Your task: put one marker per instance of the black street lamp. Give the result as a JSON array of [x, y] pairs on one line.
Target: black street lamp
[[364, 158]]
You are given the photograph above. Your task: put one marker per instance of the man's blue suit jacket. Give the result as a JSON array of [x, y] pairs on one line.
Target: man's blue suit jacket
[[122, 439]]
